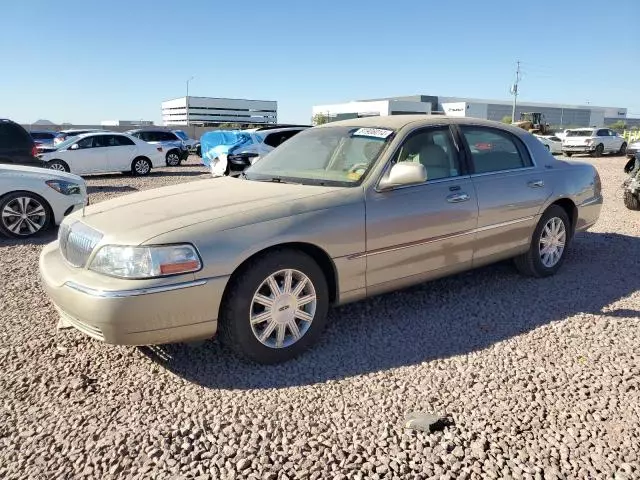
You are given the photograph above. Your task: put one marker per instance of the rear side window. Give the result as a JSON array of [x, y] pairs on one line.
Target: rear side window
[[120, 141], [14, 136], [168, 137], [494, 150]]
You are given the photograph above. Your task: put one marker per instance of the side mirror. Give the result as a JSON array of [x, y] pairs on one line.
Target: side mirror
[[403, 173], [74, 147]]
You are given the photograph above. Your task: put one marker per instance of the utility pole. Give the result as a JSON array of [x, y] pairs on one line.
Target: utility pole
[[514, 92], [187, 100]]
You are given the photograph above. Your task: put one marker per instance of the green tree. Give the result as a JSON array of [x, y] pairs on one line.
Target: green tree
[[618, 126], [506, 119], [320, 119]]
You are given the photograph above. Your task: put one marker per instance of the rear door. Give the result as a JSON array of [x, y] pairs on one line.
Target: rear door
[[121, 151], [511, 191], [604, 139], [16, 145]]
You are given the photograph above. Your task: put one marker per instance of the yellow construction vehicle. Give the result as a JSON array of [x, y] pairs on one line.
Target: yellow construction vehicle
[[533, 122]]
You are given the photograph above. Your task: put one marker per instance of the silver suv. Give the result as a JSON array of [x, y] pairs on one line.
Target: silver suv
[[594, 141], [176, 149]]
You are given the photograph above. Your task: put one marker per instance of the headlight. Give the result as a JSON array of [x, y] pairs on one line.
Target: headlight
[[65, 188], [146, 262]]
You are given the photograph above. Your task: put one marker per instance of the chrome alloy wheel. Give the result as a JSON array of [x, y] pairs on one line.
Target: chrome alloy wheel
[[24, 216], [141, 167], [282, 308], [57, 166], [552, 242]]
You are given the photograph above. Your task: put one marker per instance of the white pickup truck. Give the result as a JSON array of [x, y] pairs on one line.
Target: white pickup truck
[[594, 141]]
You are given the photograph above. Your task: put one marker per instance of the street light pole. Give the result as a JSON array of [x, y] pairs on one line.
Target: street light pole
[[187, 100]]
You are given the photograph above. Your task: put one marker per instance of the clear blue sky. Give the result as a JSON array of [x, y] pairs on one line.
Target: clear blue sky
[[83, 61]]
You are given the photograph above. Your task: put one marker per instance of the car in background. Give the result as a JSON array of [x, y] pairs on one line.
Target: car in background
[[16, 145], [33, 199], [633, 149], [271, 137], [176, 150], [593, 141], [105, 152], [338, 213], [553, 143], [64, 135], [192, 144], [43, 138]]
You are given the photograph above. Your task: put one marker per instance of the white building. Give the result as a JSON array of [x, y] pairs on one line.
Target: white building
[[126, 123], [207, 111], [373, 108], [555, 114]]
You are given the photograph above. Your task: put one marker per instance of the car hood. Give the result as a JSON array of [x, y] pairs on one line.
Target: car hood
[[229, 202], [43, 173]]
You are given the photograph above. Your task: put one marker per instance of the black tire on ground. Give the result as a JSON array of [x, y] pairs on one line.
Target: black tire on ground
[[37, 209], [599, 150], [631, 200], [140, 166], [623, 149], [567, 154], [199, 151], [234, 325], [173, 158], [58, 165], [530, 263], [548, 148]]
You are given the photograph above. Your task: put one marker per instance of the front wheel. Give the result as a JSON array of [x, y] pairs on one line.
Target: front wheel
[[23, 215], [59, 166], [548, 245], [631, 200], [140, 167], [275, 308]]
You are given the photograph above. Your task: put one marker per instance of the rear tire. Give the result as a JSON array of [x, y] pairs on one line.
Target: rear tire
[[623, 149], [244, 318], [631, 200], [140, 167], [59, 166], [532, 263], [173, 158], [598, 151]]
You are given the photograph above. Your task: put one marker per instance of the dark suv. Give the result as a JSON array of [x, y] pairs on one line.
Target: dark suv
[[176, 149], [16, 145]]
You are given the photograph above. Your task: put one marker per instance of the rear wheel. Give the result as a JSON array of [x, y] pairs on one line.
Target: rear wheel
[[173, 158], [548, 244], [23, 214], [631, 200], [140, 167], [275, 308], [568, 154], [623, 149], [58, 165], [599, 150]]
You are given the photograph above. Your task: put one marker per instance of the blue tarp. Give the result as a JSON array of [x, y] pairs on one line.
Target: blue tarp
[[225, 141]]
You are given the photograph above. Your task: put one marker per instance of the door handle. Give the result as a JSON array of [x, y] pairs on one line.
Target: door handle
[[536, 183], [458, 197]]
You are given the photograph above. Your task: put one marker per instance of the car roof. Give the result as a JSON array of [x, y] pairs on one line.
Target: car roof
[[397, 122]]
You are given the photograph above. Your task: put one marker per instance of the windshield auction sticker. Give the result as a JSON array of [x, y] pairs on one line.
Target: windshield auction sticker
[[372, 132]]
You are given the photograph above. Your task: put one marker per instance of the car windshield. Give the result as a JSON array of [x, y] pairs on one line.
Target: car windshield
[[66, 143], [579, 133], [339, 156], [181, 134]]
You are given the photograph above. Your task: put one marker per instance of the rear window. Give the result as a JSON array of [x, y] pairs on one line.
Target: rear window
[[579, 133], [42, 135], [14, 136]]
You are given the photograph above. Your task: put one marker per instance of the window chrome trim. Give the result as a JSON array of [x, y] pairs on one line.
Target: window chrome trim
[[134, 292], [497, 172], [428, 182]]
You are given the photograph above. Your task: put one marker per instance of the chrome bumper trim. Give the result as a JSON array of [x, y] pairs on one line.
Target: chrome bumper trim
[[134, 292]]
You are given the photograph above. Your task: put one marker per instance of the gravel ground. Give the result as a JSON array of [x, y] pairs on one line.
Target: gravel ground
[[539, 378]]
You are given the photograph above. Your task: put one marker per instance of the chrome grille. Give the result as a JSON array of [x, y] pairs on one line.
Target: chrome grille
[[77, 241]]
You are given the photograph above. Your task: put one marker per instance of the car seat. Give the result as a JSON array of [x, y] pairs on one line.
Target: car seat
[[435, 161]]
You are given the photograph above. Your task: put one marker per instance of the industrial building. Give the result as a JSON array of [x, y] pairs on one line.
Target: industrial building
[[560, 115], [126, 123], [209, 112]]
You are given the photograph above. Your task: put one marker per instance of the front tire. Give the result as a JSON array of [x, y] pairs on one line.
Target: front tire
[[598, 151], [548, 245], [275, 307], [173, 158], [140, 167], [24, 215], [59, 166], [631, 200]]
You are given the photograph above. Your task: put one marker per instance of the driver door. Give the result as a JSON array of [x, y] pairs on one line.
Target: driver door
[[86, 158], [422, 231]]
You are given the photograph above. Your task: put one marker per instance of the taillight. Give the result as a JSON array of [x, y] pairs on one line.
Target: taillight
[[34, 151], [588, 141]]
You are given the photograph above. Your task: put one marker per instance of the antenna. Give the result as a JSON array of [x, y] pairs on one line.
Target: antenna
[[514, 92]]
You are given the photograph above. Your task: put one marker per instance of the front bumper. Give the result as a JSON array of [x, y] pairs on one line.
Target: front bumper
[[632, 151], [131, 312]]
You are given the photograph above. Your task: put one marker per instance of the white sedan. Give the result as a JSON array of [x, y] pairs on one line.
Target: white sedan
[[33, 198], [552, 142], [104, 152]]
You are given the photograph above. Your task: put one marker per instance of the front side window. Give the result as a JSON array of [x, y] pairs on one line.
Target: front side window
[[85, 142], [494, 150], [602, 133], [433, 148], [333, 155]]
